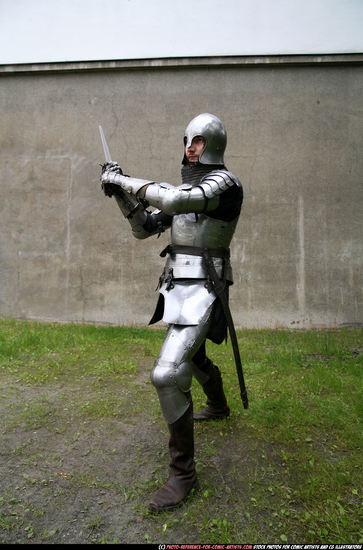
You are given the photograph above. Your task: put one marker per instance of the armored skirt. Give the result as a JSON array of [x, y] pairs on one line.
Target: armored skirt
[[186, 294]]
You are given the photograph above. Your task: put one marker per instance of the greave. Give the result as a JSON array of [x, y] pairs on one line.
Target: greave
[[212, 385], [182, 478]]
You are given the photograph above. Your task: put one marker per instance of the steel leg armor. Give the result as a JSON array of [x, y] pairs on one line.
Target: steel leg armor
[[173, 369]]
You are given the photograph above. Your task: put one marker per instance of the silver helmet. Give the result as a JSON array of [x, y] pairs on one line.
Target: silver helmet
[[211, 128]]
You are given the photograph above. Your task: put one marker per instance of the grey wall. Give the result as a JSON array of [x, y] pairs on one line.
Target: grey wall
[[294, 140]]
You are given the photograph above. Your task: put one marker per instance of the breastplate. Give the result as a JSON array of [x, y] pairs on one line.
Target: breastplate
[[201, 231]]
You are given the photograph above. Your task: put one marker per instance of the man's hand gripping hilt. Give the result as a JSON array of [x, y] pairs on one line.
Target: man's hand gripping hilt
[[128, 205], [110, 189]]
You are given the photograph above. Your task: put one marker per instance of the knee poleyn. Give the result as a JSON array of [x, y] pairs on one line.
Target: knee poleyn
[[167, 374]]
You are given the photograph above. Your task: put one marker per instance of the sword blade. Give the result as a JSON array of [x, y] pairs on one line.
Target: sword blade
[[105, 146]]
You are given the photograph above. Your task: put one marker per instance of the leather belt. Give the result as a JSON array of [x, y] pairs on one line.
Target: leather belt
[[195, 251]]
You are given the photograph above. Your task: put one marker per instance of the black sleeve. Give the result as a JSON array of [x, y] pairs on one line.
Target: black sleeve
[[230, 204]]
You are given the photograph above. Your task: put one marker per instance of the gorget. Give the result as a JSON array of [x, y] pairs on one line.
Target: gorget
[[192, 173]]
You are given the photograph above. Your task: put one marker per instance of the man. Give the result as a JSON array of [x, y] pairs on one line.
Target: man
[[202, 213]]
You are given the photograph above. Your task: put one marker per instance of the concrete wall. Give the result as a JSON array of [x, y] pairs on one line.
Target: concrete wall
[[294, 139]]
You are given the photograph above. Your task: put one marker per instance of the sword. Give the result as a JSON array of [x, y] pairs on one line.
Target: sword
[[105, 146], [128, 202]]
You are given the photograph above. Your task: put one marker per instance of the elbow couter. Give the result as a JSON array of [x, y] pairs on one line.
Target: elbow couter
[[170, 205], [170, 200]]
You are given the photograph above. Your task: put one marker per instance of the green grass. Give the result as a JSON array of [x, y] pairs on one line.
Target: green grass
[[286, 470]]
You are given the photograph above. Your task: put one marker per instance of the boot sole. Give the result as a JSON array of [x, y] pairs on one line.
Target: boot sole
[[206, 418]]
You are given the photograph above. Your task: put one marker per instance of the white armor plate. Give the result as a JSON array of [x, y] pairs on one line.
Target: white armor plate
[[186, 303], [201, 230], [218, 181], [185, 266]]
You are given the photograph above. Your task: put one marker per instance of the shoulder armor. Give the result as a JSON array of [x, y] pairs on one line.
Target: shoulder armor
[[218, 181]]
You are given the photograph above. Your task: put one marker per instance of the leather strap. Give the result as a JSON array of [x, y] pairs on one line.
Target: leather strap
[[219, 289], [195, 251]]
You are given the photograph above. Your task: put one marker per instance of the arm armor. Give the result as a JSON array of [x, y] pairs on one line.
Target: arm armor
[[179, 200], [143, 223], [204, 197], [218, 181]]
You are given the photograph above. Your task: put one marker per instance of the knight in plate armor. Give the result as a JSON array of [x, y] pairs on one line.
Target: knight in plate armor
[[202, 213]]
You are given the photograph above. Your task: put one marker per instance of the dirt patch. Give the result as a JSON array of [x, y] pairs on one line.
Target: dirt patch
[[70, 479], [77, 485]]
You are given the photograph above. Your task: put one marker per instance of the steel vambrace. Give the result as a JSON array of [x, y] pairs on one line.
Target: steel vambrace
[[179, 200], [169, 199], [137, 216], [130, 185]]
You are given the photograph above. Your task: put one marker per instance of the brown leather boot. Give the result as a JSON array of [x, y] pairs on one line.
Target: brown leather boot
[[217, 407], [183, 477]]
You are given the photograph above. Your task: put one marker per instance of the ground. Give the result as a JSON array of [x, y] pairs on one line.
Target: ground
[[84, 444], [91, 481]]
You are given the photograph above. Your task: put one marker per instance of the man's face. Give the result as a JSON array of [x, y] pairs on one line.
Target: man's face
[[195, 150]]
